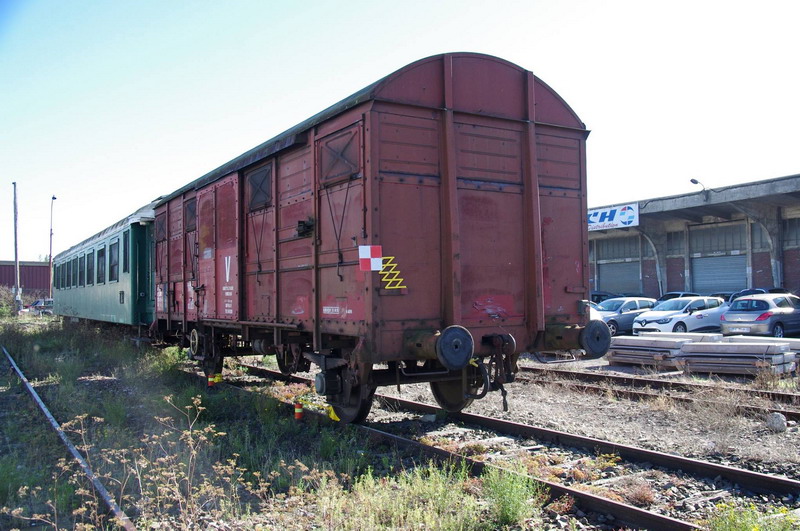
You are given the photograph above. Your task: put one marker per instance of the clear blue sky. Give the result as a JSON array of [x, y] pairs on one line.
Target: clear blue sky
[[109, 104]]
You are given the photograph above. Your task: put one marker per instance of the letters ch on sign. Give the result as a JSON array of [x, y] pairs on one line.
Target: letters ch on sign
[[614, 217]]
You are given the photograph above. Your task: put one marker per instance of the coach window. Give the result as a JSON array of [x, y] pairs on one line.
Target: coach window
[[126, 251], [90, 268], [113, 261], [75, 272], [101, 265], [81, 270], [260, 187]]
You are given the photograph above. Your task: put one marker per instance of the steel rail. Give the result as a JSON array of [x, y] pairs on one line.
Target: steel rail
[[640, 381], [753, 481], [623, 513], [640, 395], [122, 518]]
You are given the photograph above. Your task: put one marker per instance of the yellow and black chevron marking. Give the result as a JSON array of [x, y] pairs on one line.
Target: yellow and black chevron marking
[[390, 274]]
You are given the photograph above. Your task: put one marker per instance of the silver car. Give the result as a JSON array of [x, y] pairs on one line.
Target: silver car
[[619, 313], [767, 314]]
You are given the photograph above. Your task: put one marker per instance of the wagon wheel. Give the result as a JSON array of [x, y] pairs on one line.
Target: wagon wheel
[[450, 394], [194, 343], [357, 407], [214, 360], [285, 359]]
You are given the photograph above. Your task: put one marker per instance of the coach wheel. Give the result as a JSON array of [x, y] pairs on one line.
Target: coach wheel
[[194, 342], [357, 407], [451, 396]]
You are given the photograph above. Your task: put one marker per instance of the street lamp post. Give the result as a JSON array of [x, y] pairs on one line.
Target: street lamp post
[[51, 245]]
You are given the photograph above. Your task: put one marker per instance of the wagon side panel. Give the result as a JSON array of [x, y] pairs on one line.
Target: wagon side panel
[[161, 264], [176, 288], [294, 297], [341, 201], [206, 219], [490, 214], [561, 194], [190, 257], [227, 248], [408, 293], [259, 228]]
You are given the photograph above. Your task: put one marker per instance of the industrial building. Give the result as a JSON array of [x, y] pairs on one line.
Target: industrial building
[[715, 240], [34, 277]]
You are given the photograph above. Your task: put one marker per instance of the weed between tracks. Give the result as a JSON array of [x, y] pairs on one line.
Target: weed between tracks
[[173, 456]]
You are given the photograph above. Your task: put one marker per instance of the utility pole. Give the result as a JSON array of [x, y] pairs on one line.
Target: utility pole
[[17, 290], [51, 246]]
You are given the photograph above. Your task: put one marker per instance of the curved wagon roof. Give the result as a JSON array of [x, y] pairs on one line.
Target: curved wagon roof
[[462, 82]]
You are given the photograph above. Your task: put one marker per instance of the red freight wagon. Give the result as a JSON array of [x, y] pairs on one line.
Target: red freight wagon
[[426, 229]]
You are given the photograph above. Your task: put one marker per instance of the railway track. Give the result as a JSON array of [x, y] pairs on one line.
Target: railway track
[[622, 513], [748, 481], [641, 388], [782, 397], [122, 519]]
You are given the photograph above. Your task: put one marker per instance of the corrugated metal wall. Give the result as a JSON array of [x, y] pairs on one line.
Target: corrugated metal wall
[[34, 276]]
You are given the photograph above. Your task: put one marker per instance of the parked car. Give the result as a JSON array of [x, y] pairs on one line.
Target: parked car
[[744, 292], [619, 313], [675, 294], [724, 295], [600, 296], [755, 291], [684, 314], [765, 314], [41, 307]]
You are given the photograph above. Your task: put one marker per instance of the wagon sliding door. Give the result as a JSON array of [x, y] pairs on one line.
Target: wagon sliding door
[[341, 303], [218, 227]]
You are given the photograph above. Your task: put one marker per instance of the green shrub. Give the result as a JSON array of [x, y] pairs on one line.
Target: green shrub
[[513, 496], [732, 518]]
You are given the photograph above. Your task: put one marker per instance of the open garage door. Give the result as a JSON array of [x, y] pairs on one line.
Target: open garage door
[[712, 274]]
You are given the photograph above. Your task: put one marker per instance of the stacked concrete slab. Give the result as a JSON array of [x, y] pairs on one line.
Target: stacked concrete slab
[[728, 357], [710, 353], [640, 350]]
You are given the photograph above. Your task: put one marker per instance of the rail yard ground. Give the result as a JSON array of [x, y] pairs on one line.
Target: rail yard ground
[[227, 461]]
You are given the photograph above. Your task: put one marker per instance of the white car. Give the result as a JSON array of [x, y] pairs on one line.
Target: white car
[[684, 314]]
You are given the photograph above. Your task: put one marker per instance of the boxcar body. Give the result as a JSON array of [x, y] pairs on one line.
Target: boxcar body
[[108, 277], [426, 229], [434, 218]]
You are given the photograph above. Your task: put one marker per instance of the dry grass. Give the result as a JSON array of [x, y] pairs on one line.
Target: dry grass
[[174, 459]]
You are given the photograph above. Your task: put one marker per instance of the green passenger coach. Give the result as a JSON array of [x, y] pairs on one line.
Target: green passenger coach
[[108, 277]]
